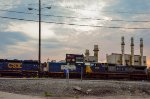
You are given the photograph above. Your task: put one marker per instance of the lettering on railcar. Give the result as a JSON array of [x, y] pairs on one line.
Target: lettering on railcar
[[70, 67], [15, 65]]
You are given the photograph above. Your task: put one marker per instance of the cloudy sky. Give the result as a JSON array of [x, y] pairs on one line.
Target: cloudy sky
[[85, 23]]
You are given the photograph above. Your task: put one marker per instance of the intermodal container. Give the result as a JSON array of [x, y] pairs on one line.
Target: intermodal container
[[74, 58]]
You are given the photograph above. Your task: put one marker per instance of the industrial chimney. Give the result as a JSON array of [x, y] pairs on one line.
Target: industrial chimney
[[122, 50], [87, 53], [96, 52], [132, 51], [141, 51]]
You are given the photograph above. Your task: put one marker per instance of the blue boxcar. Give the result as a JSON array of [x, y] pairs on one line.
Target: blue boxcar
[[60, 67], [55, 67]]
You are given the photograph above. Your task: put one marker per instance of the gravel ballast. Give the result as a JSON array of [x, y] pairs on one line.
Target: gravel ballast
[[74, 88]]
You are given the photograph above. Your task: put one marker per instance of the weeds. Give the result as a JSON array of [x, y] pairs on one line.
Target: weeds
[[46, 94]]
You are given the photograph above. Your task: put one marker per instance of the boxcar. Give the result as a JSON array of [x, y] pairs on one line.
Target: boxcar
[[56, 69]]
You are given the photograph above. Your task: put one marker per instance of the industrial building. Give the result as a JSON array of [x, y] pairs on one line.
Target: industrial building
[[89, 58], [128, 59], [115, 58]]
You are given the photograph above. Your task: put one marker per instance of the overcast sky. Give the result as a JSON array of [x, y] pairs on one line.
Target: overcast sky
[[19, 39]]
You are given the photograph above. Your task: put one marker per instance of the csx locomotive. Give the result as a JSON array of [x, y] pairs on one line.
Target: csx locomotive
[[18, 67]]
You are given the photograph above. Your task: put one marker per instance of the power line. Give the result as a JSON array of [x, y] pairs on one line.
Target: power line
[[72, 24], [123, 12], [18, 19], [68, 7], [73, 17]]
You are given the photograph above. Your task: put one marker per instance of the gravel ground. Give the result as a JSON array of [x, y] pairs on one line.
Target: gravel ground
[[75, 88]]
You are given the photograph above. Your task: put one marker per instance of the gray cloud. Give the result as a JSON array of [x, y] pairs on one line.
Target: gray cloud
[[11, 38]]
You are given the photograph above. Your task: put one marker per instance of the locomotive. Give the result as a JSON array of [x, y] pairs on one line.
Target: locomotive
[[18, 67], [113, 71]]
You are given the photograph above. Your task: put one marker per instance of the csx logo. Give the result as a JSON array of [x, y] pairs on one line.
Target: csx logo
[[15, 65]]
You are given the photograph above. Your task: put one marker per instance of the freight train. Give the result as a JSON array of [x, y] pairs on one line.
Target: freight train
[[92, 70]]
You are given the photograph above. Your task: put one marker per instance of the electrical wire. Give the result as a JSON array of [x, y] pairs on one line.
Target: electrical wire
[[72, 24], [73, 17], [122, 12], [68, 7]]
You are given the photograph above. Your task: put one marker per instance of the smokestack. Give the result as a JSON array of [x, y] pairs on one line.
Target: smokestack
[[87, 53], [96, 52], [132, 51], [122, 50], [141, 51]]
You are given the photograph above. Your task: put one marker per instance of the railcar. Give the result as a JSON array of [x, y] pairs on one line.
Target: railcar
[[96, 70], [112, 71], [138, 72], [59, 69]]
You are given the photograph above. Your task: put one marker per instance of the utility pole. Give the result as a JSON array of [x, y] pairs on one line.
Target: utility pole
[[39, 56], [39, 41]]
